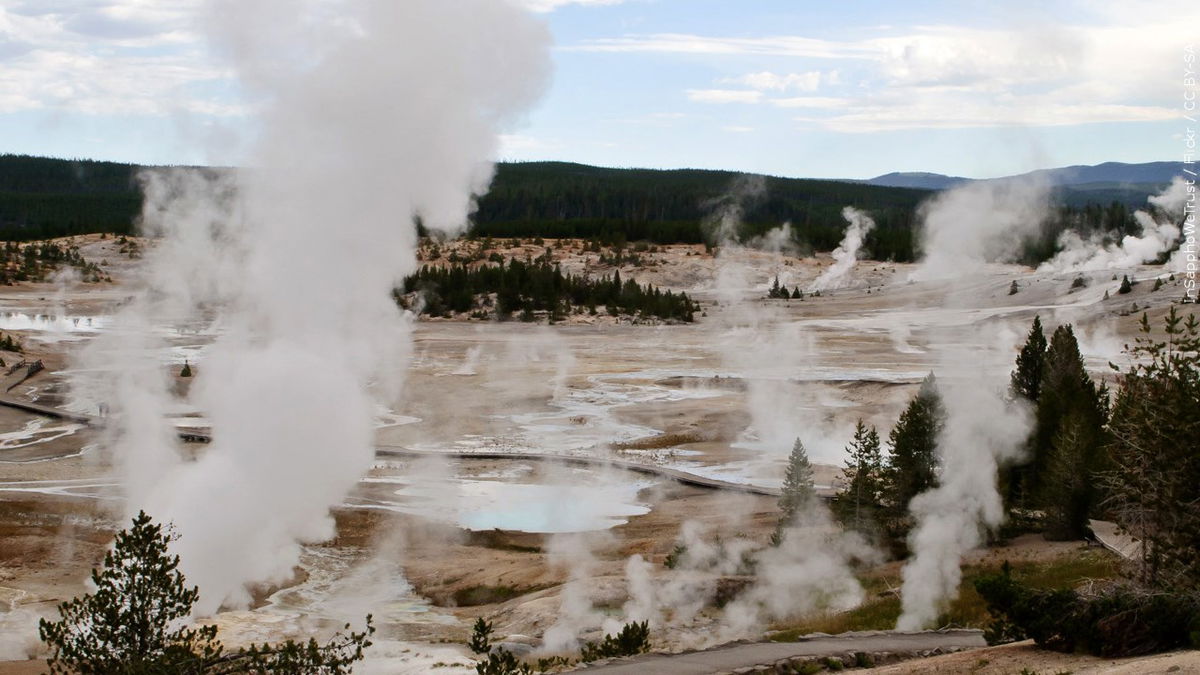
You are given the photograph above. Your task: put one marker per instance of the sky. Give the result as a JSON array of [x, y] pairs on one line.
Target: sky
[[826, 89]]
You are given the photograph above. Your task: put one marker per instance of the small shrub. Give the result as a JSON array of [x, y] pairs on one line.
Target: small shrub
[[546, 664], [481, 637], [1079, 282], [675, 557], [1013, 288], [633, 639], [502, 662], [1118, 622], [1126, 285]]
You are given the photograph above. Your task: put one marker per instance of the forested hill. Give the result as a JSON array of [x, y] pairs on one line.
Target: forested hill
[[42, 197], [562, 199]]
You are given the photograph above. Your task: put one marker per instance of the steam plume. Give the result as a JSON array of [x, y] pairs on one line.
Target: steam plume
[[978, 222], [846, 254], [982, 433], [1160, 233], [725, 212], [373, 113]]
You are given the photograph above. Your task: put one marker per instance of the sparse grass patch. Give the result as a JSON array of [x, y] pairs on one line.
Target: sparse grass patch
[[881, 609], [473, 596], [659, 442], [501, 541]]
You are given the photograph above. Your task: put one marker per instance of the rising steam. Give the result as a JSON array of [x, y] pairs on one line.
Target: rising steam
[[979, 222], [373, 113], [983, 432], [724, 219], [846, 254], [1160, 234]]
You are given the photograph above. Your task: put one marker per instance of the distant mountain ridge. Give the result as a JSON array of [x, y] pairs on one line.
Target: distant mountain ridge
[[1113, 173], [921, 180]]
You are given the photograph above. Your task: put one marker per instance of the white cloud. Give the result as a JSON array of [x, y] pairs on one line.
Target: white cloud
[[724, 95], [957, 77], [810, 102], [866, 119], [107, 57], [737, 129], [542, 6], [768, 81], [696, 44]]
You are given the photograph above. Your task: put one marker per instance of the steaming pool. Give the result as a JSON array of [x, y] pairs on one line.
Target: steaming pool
[[517, 496], [50, 323]]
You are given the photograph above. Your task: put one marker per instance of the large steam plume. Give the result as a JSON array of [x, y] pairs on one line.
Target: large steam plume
[[1160, 233], [983, 432], [846, 254], [373, 113], [978, 222]]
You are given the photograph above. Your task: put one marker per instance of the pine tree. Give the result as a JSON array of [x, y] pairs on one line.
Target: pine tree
[[912, 464], [1069, 472], [481, 637], [134, 622], [1126, 285], [858, 503], [1025, 383], [1027, 378], [1154, 483], [798, 491], [1067, 394]]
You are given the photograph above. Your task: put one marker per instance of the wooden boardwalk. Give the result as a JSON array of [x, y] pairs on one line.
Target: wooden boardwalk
[[48, 411], [683, 477]]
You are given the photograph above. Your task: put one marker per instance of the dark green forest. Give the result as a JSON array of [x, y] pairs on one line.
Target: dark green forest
[[43, 197], [558, 199], [537, 286]]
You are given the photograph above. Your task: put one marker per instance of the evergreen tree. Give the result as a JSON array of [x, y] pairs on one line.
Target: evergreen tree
[[1154, 483], [798, 491], [1070, 475], [912, 463], [1067, 395], [1126, 285], [1025, 383], [858, 503], [134, 623], [536, 287], [481, 637], [1027, 378]]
